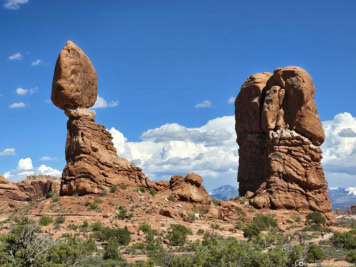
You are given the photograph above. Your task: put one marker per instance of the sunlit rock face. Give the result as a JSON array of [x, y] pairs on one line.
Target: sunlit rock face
[[92, 162], [279, 133]]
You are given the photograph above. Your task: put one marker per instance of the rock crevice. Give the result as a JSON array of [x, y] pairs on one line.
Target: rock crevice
[[279, 135]]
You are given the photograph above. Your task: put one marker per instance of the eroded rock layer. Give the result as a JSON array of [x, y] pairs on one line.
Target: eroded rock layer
[[279, 135], [92, 162]]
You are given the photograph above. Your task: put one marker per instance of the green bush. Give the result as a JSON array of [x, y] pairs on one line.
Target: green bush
[[122, 213], [145, 227], [314, 253], [345, 240], [121, 235], [111, 251], [60, 219], [142, 189], [96, 226], [122, 186], [172, 198], [177, 236], [104, 193], [113, 189], [259, 223], [351, 257], [45, 220], [153, 192], [316, 218], [251, 230]]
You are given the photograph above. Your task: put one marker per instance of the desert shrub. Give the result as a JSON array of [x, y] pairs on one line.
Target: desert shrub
[[314, 253], [177, 236], [45, 220], [142, 189], [85, 224], [259, 223], [123, 187], [98, 201], [251, 230], [172, 198], [122, 213], [121, 235], [113, 189], [145, 227], [316, 218], [200, 232], [54, 197], [351, 257], [345, 240], [315, 228], [111, 251], [96, 226], [153, 192], [104, 193], [239, 225], [215, 202], [60, 219]]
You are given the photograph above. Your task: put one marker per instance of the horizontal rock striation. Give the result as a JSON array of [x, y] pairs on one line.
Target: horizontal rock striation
[[279, 135]]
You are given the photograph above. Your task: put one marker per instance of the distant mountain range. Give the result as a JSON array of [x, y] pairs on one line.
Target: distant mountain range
[[340, 198]]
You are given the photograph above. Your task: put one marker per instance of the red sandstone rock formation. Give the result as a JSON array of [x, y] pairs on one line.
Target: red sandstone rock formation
[[189, 188], [92, 162], [279, 135], [28, 189]]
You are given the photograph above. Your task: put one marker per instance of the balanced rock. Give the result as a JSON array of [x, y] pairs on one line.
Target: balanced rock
[[279, 133], [92, 162], [75, 81]]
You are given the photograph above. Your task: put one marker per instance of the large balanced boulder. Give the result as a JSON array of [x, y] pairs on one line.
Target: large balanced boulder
[[75, 81], [92, 162], [279, 133]]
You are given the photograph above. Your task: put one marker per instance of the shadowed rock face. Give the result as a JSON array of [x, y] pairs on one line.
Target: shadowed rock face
[[92, 162], [279, 135]]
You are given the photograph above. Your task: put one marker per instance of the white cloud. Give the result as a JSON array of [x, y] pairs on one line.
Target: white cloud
[[25, 168], [25, 164], [17, 56], [17, 105], [36, 62], [102, 103], [21, 91], [45, 170], [204, 104], [231, 100], [210, 150], [8, 152], [113, 104], [46, 158], [14, 4], [33, 90]]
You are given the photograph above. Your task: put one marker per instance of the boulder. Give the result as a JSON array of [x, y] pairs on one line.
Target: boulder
[[189, 189], [75, 81], [279, 135]]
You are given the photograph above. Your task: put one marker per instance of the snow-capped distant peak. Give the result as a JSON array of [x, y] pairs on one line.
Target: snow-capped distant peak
[[351, 191], [334, 188]]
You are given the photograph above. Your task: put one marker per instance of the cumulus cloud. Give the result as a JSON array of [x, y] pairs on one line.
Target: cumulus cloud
[[25, 164], [8, 152], [209, 150], [21, 91], [17, 56], [36, 62], [204, 104], [102, 103], [231, 100], [17, 105], [26, 168], [14, 4]]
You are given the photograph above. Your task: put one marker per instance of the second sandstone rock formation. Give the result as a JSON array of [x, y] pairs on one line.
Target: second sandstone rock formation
[[279, 135]]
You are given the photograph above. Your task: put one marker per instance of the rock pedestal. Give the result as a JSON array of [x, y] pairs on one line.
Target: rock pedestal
[[279, 135], [92, 162]]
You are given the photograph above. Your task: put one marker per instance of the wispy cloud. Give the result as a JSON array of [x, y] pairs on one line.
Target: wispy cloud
[[17, 105], [33, 90], [102, 103], [231, 100], [204, 104], [17, 56], [36, 62], [14, 4], [46, 158], [21, 91], [8, 152]]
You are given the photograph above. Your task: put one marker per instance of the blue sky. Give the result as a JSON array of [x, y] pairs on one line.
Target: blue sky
[[166, 70]]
